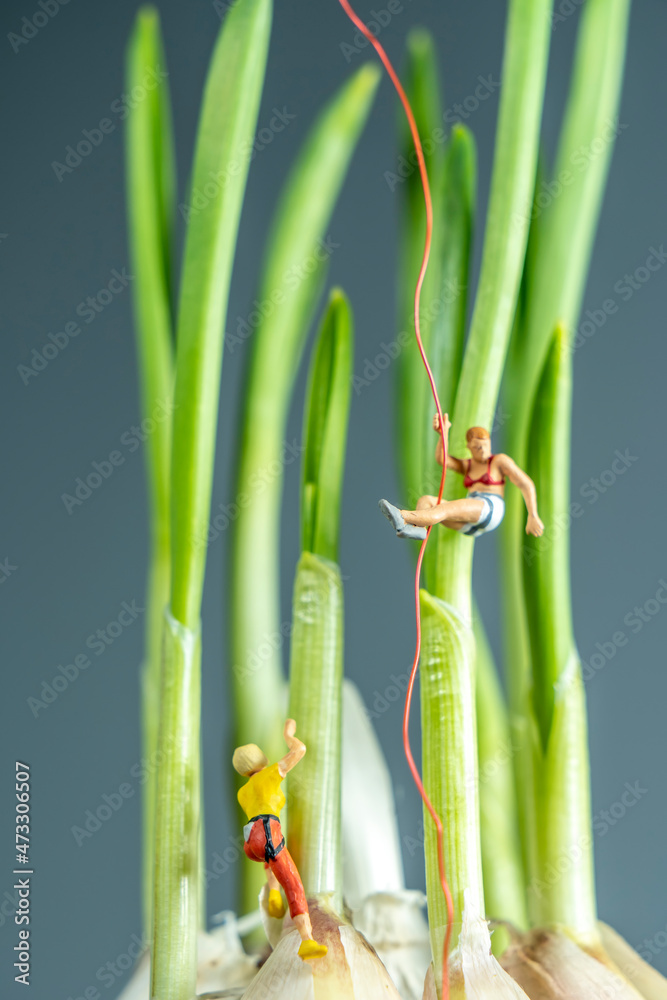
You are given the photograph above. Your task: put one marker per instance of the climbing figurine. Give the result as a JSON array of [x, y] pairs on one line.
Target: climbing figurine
[[484, 478], [261, 799]]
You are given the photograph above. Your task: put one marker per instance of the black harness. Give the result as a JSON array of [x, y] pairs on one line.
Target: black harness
[[271, 851]]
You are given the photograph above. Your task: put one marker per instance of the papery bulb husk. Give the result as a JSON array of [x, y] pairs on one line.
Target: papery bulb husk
[[273, 926], [474, 973], [395, 925], [551, 966], [351, 970], [643, 976], [372, 858], [390, 917], [222, 964]]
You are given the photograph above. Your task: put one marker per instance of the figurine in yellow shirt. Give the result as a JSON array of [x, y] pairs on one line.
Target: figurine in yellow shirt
[[261, 799]]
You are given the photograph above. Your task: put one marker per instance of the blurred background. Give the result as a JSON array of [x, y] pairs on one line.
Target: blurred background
[[67, 571]]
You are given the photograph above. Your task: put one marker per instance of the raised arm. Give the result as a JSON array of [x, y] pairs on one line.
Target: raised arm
[[522, 480], [452, 463], [296, 748]]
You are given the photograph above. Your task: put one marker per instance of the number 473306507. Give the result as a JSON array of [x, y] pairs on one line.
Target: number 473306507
[[22, 811]]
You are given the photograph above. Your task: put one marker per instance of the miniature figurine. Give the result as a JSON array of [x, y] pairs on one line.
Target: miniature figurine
[[483, 509], [262, 798]]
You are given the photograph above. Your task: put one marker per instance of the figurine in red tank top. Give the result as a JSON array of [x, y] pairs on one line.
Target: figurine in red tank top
[[483, 509]]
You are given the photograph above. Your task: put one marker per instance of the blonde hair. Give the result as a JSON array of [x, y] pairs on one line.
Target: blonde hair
[[477, 432], [248, 759]]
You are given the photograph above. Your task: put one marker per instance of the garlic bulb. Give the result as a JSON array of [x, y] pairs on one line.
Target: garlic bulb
[[643, 976], [550, 966], [221, 963], [350, 971], [395, 924], [474, 973]]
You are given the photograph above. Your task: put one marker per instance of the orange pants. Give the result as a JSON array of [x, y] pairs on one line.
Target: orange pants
[[282, 865]]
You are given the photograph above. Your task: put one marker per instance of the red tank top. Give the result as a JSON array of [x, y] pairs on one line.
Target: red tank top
[[486, 478]]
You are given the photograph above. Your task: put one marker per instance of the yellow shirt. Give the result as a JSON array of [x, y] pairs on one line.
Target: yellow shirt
[[262, 793]]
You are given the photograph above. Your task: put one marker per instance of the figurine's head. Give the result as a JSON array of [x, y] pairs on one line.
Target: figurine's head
[[478, 440], [249, 759]]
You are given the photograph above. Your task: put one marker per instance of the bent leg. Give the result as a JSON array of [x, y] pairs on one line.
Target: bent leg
[[304, 926], [285, 872], [464, 511], [427, 502], [251, 854], [454, 525], [309, 947], [256, 849]]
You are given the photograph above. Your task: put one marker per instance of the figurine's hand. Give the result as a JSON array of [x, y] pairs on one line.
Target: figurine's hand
[[534, 525], [296, 748], [289, 730], [436, 422]]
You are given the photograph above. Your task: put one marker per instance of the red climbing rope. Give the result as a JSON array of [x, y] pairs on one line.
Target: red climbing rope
[[415, 663]]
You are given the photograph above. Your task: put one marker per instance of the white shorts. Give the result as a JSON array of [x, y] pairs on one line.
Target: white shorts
[[491, 516]]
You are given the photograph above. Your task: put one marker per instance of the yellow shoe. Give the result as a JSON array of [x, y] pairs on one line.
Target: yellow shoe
[[276, 906], [312, 949]]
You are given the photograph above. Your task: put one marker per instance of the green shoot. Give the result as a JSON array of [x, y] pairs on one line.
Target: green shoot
[[150, 190], [297, 247], [504, 883], [448, 693], [227, 125], [316, 667]]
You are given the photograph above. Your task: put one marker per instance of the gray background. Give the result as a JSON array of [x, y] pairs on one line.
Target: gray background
[[62, 240]]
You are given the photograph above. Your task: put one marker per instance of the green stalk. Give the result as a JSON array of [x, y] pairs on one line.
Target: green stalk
[[448, 699], [325, 429], [226, 128], [301, 220], [562, 883], [447, 334], [563, 233], [568, 224], [316, 678], [176, 906], [516, 638], [512, 386], [422, 86], [546, 561], [150, 171], [504, 883], [452, 170], [442, 313], [316, 663], [571, 218], [226, 131], [458, 203], [515, 159], [449, 766]]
